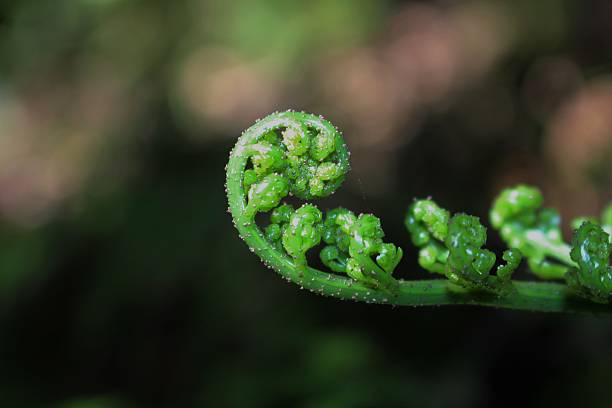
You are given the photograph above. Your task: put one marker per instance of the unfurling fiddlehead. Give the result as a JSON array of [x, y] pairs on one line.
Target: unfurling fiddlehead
[[294, 153], [302, 155]]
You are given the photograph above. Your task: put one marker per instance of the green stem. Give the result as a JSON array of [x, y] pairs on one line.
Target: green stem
[[532, 296]]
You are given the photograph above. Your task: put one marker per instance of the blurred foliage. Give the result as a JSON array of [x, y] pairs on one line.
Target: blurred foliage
[[122, 280]]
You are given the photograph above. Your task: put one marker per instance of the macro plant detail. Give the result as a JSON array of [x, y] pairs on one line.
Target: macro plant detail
[[591, 248], [303, 155], [522, 222], [518, 215], [299, 154], [452, 246]]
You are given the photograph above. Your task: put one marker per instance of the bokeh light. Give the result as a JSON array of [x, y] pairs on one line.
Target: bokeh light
[[122, 280]]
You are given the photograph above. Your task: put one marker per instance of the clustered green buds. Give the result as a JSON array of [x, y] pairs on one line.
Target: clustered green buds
[[591, 250], [301, 155], [279, 218], [355, 246], [468, 263], [335, 254], [452, 246], [518, 215], [295, 231], [427, 224], [302, 232], [265, 194]]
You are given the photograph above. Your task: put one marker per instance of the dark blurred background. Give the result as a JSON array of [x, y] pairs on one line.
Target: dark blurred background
[[122, 280]]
